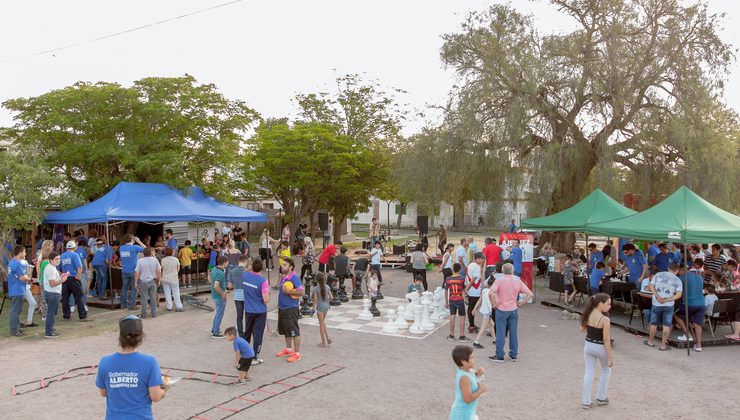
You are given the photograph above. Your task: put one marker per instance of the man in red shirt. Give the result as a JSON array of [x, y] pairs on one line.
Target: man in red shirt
[[492, 252], [455, 301], [326, 255]]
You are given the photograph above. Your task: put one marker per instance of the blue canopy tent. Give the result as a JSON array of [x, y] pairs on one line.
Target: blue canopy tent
[[141, 202], [153, 203]]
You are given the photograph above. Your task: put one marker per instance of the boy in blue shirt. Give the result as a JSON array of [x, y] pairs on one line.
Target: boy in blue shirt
[[243, 352], [597, 275]]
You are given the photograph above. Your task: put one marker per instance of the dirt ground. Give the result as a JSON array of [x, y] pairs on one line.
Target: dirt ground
[[384, 377]]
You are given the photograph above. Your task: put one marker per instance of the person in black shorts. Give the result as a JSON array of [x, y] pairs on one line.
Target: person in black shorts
[[244, 354], [291, 289]]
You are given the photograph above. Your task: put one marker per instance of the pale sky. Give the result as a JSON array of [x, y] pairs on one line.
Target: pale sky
[[263, 52]]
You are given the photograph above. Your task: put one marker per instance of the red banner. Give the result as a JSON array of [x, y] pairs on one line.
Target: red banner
[[526, 243]]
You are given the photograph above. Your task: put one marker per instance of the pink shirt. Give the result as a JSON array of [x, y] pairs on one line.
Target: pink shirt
[[507, 290]]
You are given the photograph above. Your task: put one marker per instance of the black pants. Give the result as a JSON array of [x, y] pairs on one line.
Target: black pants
[[472, 300], [446, 272], [306, 268], [73, 287], [239, 317], [441, 247], [323, 268], [423, 274], [254, 330]]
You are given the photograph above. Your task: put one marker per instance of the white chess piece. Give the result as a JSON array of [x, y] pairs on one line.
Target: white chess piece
[[436, 315], [365, 315], [409, 314], [416, 328], [390, 326], [441, 310], [400, 320], [426, 323]]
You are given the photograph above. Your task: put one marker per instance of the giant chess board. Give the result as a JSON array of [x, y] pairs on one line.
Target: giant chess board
[[345, 317]]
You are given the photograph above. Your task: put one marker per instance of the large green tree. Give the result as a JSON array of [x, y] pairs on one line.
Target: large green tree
[[170, 130], [583, 97], [307, 166]]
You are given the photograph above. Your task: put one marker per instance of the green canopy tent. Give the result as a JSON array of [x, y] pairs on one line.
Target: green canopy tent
[[682, 217], [595, 207]]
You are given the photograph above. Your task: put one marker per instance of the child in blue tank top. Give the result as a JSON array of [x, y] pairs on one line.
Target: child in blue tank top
[[467, 386]]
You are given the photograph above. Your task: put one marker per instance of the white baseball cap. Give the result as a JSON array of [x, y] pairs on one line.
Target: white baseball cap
[[71, 244]]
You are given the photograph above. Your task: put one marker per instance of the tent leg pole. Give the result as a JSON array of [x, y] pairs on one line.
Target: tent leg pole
[[686, 298], [197, 260], [110, 275]]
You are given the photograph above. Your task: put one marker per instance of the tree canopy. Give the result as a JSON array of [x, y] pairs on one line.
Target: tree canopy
[[170, 130]]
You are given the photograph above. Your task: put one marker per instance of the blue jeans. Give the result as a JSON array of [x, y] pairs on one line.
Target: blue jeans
[[220, 308], [128, 291], [101, 276], [661, 315], [16, 306], [52, 305], [507, 320], [373, 239]]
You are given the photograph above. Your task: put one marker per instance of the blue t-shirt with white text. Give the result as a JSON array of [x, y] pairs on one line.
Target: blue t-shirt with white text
[[82, 253], [284, 300], [129, 257], [127, 379]]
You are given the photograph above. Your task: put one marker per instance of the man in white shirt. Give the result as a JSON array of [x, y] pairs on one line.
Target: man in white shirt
[[473, 287], [462, 257], [147, 277]]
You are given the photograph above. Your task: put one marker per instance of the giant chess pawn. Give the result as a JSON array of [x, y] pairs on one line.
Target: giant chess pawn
[[416, 328], [365, 315], [334, 301], [437, 304], [426, 323], [374, 309], [343, 291], [401, 322], [357, 289], [390, 326]]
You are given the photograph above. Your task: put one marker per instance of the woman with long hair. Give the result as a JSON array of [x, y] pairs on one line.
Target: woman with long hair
[[597, 347], [130, 381], [42, 260], [266, 242], [321, 296]]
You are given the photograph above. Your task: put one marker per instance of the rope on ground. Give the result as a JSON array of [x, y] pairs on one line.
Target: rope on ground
[[236, 404], [188, 374]]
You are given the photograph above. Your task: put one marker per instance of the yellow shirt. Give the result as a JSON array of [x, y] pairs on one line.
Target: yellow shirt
[[285, 253], [186, 256]]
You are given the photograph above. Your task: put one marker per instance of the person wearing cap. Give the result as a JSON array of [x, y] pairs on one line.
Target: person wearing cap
[[71, 264], [128, 380], [100, 262]]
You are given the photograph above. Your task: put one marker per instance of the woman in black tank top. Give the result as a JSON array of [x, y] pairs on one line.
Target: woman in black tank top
[[597, 347]]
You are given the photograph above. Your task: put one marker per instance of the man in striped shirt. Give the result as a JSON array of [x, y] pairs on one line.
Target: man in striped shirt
[[713, 263]]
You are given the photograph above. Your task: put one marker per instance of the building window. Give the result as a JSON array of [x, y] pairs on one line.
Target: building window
[[268, 206]]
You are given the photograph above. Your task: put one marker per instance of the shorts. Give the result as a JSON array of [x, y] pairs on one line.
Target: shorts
[[244, 364], [485, 315], [696, 314], [457, 307], [661, 315], [265, 253], [568, 288], [185, 269], [288, 322]]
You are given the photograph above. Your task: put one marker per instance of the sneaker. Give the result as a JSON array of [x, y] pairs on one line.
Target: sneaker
[[513, 359], [154, 315], [477, 345], [697, 348], [488, 334], [18, 334], [169, 309], [72, 309], [496, 359], [683, 338], [294, 357], [463, 339], [32, 324], [217, 335], [284, 352], [586, 406], [451, 337], [86, 310], [605, 401], [257, 362], [53, 334], [179, 310]]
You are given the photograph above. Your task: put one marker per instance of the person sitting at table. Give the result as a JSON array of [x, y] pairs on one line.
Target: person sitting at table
[[709, 298], [698, 266], [717, 282], [597, 276]]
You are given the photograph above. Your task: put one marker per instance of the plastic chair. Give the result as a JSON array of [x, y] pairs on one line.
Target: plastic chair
[[557, 283], [722, 312], [642, 302]]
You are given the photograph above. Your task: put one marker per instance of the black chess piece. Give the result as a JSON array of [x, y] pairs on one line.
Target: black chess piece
[[307, 302], [380, 295], [343, 291], [357, 289], [334, 301], [374, 309]]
